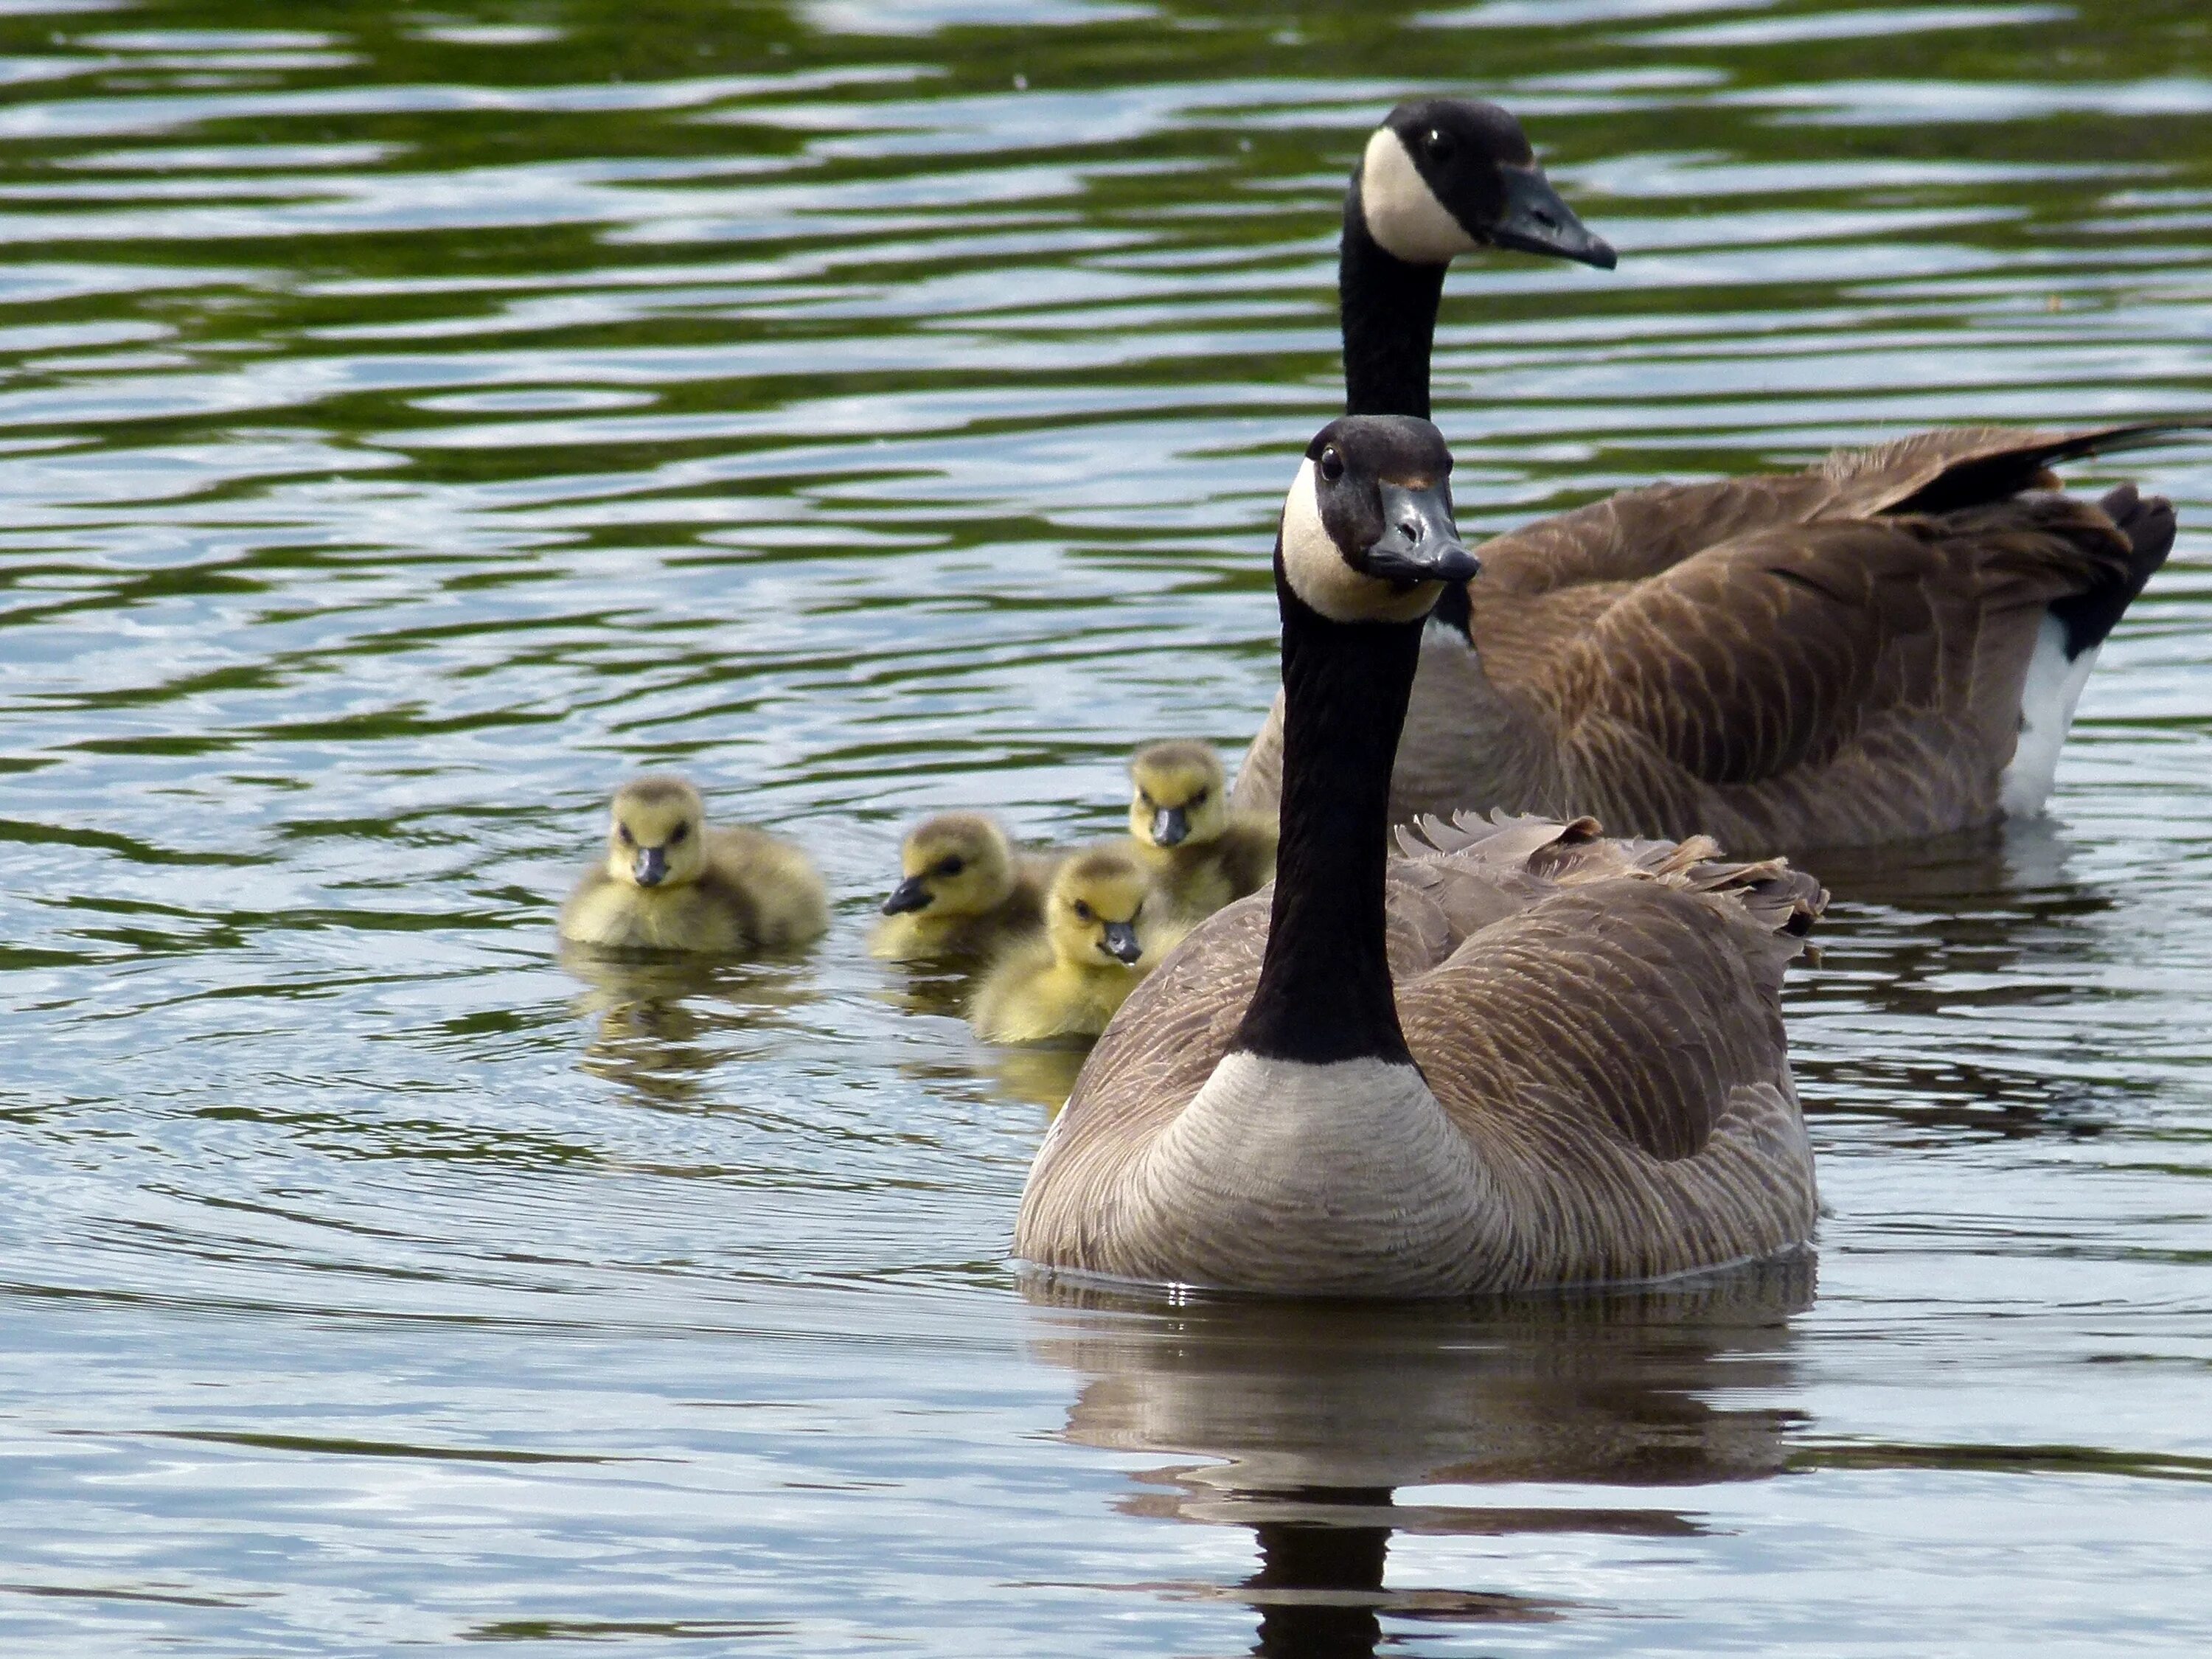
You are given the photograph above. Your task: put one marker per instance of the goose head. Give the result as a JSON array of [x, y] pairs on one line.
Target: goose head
[[956, 864], [1444, 176], [656, 833], [1180, 796], [1367, 533], [1091, 915]]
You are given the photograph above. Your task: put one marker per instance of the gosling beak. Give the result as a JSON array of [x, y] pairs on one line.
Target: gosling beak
[[650, 866], [1536, 220], [908, 895], [1170, 825], [1420, 542], [1122, 942]]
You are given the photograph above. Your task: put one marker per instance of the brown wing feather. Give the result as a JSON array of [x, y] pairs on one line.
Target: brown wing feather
[[1786, 660], [1539, 970], [1781, 650]]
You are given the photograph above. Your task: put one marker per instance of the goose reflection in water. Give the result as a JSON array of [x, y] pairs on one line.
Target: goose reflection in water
[[666, 1021], [1997, 916], [1313, 1415]]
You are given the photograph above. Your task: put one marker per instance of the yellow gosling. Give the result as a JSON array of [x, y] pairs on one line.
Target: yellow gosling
[[669, 883], [1067, 981], [1198, 853], [965, 893]]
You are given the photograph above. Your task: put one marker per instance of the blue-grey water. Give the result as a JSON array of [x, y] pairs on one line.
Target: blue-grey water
[[414, 418]]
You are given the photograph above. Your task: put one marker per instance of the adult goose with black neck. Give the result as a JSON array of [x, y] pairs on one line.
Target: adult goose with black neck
[[1888, 644], [1519, 1056]]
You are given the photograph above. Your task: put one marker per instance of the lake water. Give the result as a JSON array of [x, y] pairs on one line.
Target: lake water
[[415, 418]]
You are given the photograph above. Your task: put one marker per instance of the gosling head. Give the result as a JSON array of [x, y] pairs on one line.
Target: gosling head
[[1179, 795], [1443, 176], [657, 833], [956, 864], [1367, 530], [1091, 915]]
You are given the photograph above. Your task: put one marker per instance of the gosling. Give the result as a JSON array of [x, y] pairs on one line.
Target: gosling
[[669, 883], [1199, 854], [1066, 982], [966, 892]]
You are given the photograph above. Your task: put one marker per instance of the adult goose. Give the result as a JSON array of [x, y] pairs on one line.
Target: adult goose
[[1888, 644], [1519, 1057]]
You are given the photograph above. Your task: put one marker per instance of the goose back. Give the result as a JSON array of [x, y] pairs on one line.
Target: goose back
[[1598, 1021], [1836, 657]]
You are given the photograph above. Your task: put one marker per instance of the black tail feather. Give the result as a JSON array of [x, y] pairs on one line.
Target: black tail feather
[[2148, 522], [1993, 477]]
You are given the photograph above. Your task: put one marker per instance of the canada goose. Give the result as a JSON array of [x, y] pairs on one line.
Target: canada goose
[[1519, 1057], [668, 883], [964, 892], [1199, 854], [1068, 980], [1887, 645]]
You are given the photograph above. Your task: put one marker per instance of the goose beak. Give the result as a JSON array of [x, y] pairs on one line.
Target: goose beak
[[650, 866], [1420, 542], [1169, 826], [1536, 220], [1122, 942], [908, 895]]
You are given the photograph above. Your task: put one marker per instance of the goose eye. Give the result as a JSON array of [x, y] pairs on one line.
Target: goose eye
[[1332, 465], [679, 833], [1439, 143], [951, 866], [623, 831], [1082, 911], [1199, 798]]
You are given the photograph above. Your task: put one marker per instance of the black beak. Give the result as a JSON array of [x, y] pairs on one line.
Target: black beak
[[1122, 942], [650, 866], [908, 895], [1420, 542], [1536, 220], [1170, 824]]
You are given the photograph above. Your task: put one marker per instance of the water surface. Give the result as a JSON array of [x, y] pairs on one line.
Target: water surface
[[413, 420]]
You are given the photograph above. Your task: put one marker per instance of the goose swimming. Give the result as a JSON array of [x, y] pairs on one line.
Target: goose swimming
[[1518, 1056], [1888, 644]]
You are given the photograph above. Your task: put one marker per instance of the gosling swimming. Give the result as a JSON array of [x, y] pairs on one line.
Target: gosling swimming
[[1199, 854], [669, 883], [965, 893], [1096, 943]]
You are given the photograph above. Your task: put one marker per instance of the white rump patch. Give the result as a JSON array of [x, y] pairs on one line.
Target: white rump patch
[[1403, 214], [2046, 714]]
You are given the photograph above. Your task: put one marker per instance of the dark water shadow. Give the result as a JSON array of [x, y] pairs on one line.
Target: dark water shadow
[[1310, 1417], [2024, 865], [1994, 923], [667, 1020]]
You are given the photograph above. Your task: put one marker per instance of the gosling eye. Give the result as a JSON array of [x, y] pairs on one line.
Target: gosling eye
[[1199, 798], [1082, 911], [1144, 797], [622, 831], [950, 866], [1332, 465], [679, 833]]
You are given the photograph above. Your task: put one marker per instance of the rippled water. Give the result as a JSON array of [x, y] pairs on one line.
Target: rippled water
[[414, 419]]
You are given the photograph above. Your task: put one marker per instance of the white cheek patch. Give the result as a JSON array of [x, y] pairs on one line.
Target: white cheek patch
[[1403, 214], [1318, 574], [1316, 570]]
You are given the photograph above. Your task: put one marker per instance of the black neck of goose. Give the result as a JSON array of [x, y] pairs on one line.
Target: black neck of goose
[[1389, 313], [1324, 991]]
